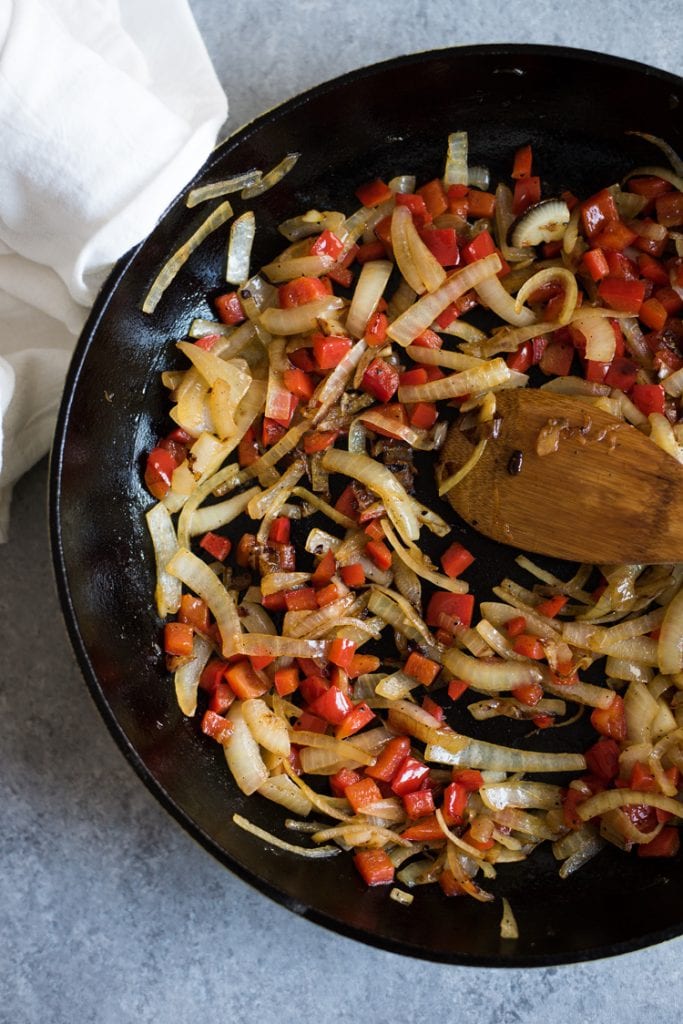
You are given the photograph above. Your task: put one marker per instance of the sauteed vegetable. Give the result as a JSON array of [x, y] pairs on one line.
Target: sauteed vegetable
[[342, 668]]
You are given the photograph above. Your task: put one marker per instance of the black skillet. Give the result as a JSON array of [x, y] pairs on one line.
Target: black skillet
[[575, 108]]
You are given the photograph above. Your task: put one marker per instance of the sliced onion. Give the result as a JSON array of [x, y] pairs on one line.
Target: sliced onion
[[508, 924], [168, 589], [332, 387], [455, 478], [412, 720], [369, 289], [670, 645], [456, 171], [254, 644], [310, 852], [479, 754], [186, 676], [311, 223], [222, 188], [540, 795], [543, 277], [269, 731], [480, 378], [271, 178], [443, 357], [493, 295], [242, 232], [490, 674], [197, 575], [382, 481], [170, 269], [299, 319], [409, 557], [281, 790], [418, 317], [242, 753], [214, 516], [610, 799]]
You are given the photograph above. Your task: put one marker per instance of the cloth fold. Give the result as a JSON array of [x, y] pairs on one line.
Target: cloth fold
[[107, 109]]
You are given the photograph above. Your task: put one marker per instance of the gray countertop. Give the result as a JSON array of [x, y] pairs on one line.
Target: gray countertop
[[109, 912]]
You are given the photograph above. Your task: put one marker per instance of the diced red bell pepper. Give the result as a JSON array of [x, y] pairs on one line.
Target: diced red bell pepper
[[271, 432], [308, 722], [456, 688], [522, 359], [328, 594], [552, 605], [213, 673], [615, 236], [341, 652], [378, 552], [610, 721], [327, 244], [353, 575], [456, 559], [388, 760], [222, 696], [159, 470], [301, 291], [642, 779], [217, 727], [417, 207], [363, 793], [624, 296], [302, 599], [425, 830], [229, 308], [456, 606], [597, 211], [380, 380], [312, 686], [409, 775], [357, 718], [423, 415], [665, 844], [319, 440], [299, 383], [245, 681], [419, 803], [528, 646], [247, 450], [428, 339], [374, 192], [669, 207], [557, 358], [286, 680], [178, 639], [374, 867], [333, 705], [526, 193], [653, 314], [343, 778], [522, 163], [280, 530], [443, 245], [195, 611], [376, 330], [325, 570], [528, 693], [369, 251], [421, 668], [572, 799], [329, 350], [454, 803], [621, 373], [648, 398], [596, 264], [218, 547], [470, 778], [515, 626], [481, 204], [652, 270], [434, 197], [483, 245]]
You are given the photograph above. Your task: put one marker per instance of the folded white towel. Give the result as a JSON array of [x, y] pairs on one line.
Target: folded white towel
[[107, 108]]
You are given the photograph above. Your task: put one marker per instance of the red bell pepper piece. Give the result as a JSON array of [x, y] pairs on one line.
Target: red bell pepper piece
[[615, 236], [428, 339], [648, 398], [247, 450], [374, 867], [388, 760], [195, 611], [341, 652], [610, 721], [454, 803], [217, 727], [333, 705], [356, 719], [363, 793], [456, 559], [653, 314], [557, 359], [529, 646], [625, 296], [419, 803], [522, 163], [319, 440], [325, 570], [280, 530], [229, 308], [665, 844], [515, 626], [417, 207], [456, 688], [221, 698], [621, 373], [423, 415], [552, 605], [301, 291], [526, 193], [434, 196], [470, 778], [421, 668], [378, 552], [303, 599], [286, 680], [528, 693], [353, 575], [596, 264], [343, 778], [443, 245], [669, 207], [245, 681], [409, 775], [459, 607], [369, 251], [374, 192], [597, 211], [299, 383], [218, 547], [178, 639], [380, 380], [329, 350], [327, 244], [159, 470], [483, 245], [424, 831]]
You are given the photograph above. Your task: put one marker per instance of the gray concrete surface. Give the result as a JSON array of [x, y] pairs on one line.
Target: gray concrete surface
[[109, 912]]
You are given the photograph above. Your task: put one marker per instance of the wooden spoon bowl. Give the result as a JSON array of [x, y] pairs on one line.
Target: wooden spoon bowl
[[566, 479]]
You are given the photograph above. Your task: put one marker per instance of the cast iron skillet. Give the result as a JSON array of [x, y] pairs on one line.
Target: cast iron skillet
[[575, 108]]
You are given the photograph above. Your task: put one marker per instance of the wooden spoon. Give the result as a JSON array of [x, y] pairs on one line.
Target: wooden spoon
[[603, 493]]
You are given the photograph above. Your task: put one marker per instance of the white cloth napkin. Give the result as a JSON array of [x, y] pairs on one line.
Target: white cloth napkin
[[107, 109]]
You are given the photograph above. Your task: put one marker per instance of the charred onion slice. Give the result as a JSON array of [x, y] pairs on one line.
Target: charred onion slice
[[543, 222]]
